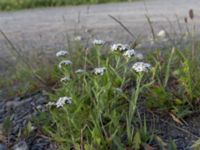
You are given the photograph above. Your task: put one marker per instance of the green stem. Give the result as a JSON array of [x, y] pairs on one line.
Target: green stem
[[133, 105]]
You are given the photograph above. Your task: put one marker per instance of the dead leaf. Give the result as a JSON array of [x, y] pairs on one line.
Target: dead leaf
[[147, 147], [176, 119]]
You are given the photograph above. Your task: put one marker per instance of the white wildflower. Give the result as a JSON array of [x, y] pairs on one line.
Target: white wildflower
[[120, 47], [64, 62], [49, 104], [62, 53], [64, 79], [79, 71], [78, 38], [99, 71], [141, 67], [129, 53], [98, 42], [161, 34], [139, 56], [33, 128], [62, 101], [118, 90]]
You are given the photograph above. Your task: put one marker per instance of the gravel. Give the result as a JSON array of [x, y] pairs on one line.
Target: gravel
[[19, 111]]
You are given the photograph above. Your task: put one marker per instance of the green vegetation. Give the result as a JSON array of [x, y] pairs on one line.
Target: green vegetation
[[96, 101], [102, 107], [21, 4]]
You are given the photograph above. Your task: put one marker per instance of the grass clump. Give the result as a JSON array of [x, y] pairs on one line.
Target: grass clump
[[103, 99], [176, 86], [100, 100]]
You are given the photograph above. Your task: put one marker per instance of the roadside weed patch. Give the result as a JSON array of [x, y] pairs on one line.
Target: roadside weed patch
[[103, 101], [176, 86], [104, 90], [96, 94]]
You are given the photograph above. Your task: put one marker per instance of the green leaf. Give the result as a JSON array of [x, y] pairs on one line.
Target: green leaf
[[137, 140]]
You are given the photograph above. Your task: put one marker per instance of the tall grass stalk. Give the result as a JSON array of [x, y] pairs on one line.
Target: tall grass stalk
[[132, 107], [167, 74]]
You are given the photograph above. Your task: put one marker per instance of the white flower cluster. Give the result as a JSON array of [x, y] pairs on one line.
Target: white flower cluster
[[141, 67], [50, 104], [60, 102], [161, 34], [62, 53], [78, 38], [129, 53], [79, 71], [64, 62], [120, 47], [64, 79], [99, 71], [98, 42]]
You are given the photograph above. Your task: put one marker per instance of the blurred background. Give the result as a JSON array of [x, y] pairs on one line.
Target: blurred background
[[19, 4]]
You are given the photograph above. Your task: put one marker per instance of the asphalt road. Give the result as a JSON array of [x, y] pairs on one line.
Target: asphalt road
[[44, 28]]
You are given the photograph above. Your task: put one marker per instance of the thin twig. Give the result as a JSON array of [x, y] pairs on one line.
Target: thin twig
[[179, 128], [22, 58], [123, 26], [151, 27]]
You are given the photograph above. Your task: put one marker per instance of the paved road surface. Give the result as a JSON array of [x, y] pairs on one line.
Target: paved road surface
[[44, 28]]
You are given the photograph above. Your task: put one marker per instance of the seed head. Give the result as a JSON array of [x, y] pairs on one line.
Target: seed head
[[191, 14]]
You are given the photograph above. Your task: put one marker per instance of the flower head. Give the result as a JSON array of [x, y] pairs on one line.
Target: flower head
[[129, 53], [120, 47], [64, 62], [64, 79], [98, 42], [139, 56], [161, 34], [78, 38], [99, 71], [49, 104], [141, 67], [62, 53], [62, 101], [79, 71]]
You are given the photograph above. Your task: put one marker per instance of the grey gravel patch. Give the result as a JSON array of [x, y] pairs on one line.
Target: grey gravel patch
[[162, 125], [19, 111], [22, 145]]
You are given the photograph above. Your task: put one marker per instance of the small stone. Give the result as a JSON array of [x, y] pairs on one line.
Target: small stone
[[40, 144], [2, 147], [41, 101], [22, 145]]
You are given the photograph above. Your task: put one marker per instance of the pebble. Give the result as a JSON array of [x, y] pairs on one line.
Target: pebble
[[22, 145]]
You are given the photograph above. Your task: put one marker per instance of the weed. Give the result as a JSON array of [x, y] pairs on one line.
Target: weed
[[104, 93], [176, 83], [98, 116]]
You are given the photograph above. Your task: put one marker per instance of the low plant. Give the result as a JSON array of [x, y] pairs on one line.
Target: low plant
[[176, 86], [96, 104]]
